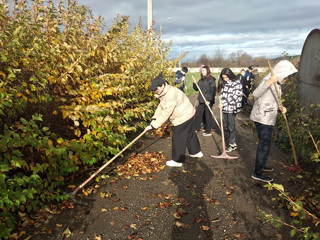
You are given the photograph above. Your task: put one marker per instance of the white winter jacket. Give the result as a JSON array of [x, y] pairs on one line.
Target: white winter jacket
[[266, 104], [174, 105]]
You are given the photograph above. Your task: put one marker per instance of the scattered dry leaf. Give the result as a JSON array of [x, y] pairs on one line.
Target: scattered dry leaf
[[239, 235], [134, 226], [142, 164], [180, 224], [176, 215], [205, 228], [67, 233], [98, 237]]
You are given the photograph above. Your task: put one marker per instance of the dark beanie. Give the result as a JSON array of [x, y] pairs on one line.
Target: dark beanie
[[185, 69], [156, 82]]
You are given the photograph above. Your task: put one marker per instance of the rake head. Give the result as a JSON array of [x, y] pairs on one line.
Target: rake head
[[224, 155], [295, 168]]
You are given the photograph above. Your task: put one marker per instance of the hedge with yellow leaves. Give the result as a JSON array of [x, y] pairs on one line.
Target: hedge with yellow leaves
[[70, 96]]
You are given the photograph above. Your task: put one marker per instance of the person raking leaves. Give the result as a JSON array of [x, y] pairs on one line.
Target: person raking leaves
[[264, 114], [175, 106]]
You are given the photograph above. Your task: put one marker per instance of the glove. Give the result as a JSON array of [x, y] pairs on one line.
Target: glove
[[148, 128]]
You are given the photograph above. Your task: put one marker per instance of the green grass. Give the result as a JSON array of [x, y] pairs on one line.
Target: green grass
[[190, 90]]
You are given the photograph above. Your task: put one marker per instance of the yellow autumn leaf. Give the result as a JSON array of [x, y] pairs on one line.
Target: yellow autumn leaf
[[55, 112], [2, 74], [97, 238], [180, 224], [294, 214], [134, 226], [67, 233], [65, 114], [14, 236], [51, 79], [176, 215], [205, 228], [60, 140], [22, 214], [278, 186], [77, 108]]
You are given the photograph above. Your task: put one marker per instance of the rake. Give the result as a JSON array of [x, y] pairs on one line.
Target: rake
[[224, 154], [72, 196], [296, 167]]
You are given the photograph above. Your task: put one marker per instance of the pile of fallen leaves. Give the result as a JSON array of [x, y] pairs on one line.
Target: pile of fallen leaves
[[142, 164], [164, 131]]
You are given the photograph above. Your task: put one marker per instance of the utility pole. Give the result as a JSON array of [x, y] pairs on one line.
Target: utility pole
[[169, 18], [180, 53], [149, 14]]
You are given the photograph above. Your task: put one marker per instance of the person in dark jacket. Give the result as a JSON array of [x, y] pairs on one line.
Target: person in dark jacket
[[240, 76], [180, 80], [248, 79], [207, 85]]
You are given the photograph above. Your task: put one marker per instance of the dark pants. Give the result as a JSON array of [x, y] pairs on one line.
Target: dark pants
[[203, 109], [184, 136], [264, 135], [246, 92], [229, 125]]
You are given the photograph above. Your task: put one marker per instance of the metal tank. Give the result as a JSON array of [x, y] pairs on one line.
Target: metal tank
[[309, 70]]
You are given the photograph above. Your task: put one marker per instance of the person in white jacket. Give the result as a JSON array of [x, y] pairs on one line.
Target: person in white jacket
[[176, 106], [264, 114]]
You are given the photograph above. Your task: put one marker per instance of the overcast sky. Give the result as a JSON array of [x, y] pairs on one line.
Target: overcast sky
[[260, 28]]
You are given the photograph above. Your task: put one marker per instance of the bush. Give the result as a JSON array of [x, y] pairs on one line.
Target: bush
[[70, 97], [303, 203]]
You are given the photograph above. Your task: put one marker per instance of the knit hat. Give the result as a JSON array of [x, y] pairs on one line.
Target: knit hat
[[201, 68], [156, 82], [184, 69], [250, 67]]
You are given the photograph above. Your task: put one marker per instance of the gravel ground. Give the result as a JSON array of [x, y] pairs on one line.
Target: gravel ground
[[207, 198]]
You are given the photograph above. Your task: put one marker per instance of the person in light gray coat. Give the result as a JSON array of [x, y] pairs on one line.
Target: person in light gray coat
[[264, 114]]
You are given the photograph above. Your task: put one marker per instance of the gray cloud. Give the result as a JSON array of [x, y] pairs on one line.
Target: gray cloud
[[257, 27]]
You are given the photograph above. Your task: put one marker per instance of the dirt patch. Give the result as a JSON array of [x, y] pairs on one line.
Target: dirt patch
[[205, 199]]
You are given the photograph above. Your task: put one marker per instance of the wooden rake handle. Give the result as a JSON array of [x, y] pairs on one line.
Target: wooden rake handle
[[206, 101], [285, 117], [275, 85], [106, 164]]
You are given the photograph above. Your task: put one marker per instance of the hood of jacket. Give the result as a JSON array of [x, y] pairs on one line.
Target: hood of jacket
[[282, 70]]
